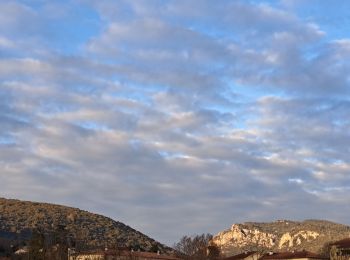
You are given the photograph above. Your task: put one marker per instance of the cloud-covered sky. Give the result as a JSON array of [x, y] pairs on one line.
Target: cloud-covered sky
[[177, 116]]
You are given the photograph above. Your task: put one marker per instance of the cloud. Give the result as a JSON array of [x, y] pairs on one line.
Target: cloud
[[270, 48], [175, 117], [15, 16]]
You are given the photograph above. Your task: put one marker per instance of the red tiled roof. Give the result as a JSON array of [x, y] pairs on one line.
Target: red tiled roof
[[344, 243], [153, 255], [240, 256], [128, 253], [292, 255]]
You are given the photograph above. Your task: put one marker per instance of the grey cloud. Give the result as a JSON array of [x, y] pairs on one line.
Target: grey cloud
[[16, 16], [273, 55], [315, 123], [307, 131], [155, 52], [144, 122]]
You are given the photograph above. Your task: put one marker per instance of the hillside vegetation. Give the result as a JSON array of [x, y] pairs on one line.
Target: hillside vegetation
[[19, 218]]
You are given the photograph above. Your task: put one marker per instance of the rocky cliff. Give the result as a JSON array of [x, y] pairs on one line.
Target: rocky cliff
[[19, 218], [282, 235]]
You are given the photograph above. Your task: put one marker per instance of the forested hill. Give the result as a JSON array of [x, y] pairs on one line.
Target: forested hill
[[19, 218]]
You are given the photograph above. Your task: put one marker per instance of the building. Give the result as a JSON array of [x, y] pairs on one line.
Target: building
[[253, 255], [301, 255], [340, 250], [119, 255], [22, 251]]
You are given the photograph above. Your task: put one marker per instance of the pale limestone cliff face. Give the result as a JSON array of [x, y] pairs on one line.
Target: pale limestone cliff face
[[280, 235], [289, 240], [241, 237]]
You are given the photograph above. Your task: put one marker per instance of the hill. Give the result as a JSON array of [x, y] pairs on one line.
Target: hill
[[281, 235], [18, 219]]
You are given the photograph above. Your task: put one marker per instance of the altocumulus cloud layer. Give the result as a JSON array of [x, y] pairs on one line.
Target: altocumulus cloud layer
[[177, 117]]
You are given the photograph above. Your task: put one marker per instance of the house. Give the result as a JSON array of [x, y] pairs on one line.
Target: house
[[22, 251], [119, 255], [253, 255], [301, 255], [152, 256], [340, 250]]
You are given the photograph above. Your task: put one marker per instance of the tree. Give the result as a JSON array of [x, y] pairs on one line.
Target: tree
[[51, 245], [155, 248], [213, 251], [197, 247], [326, 249], [60, 248], [37, 246]]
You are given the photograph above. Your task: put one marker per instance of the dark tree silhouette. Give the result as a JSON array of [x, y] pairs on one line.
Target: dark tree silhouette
[[37, 246], [197, 247]]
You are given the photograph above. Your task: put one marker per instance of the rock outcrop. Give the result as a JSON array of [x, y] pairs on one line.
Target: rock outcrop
[[281, 235], [289, 240], [242, 236]]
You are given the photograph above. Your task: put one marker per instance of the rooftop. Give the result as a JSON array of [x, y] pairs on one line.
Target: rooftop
[[344, 243], [128, 253], [292, 255], [240, 256]]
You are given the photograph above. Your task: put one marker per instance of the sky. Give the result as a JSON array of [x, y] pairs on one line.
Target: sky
[[177, 117]]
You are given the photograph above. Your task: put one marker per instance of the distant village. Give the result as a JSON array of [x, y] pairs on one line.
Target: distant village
[[339, 250]]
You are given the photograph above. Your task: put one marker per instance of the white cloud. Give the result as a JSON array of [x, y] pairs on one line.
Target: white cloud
[[213, 112]]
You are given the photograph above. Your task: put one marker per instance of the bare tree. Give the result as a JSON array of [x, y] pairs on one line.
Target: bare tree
[[197, 247]]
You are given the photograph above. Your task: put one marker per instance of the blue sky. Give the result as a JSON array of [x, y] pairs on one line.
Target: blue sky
[[177, 117]]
